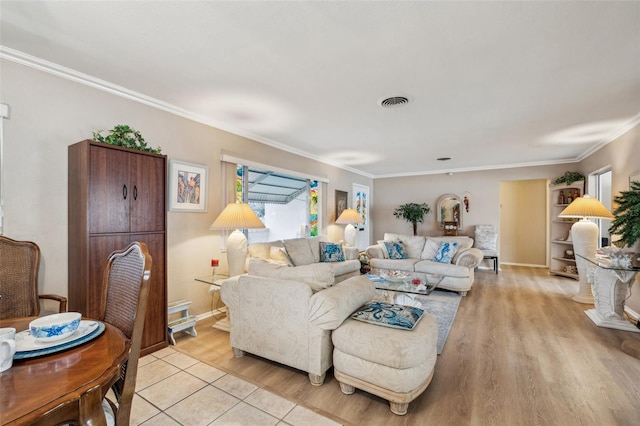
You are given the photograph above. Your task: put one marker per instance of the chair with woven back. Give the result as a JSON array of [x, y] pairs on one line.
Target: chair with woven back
[[123, 305], [19, 268]]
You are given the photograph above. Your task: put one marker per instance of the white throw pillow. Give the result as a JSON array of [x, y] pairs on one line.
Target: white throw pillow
[[279, 254]]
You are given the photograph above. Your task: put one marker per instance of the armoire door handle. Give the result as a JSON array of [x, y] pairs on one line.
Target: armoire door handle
[[124, 191]]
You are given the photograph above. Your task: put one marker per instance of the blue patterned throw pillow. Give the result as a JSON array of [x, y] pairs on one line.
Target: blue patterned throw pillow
[[331, 252], [395, 250], [445, 252], [389, 315]]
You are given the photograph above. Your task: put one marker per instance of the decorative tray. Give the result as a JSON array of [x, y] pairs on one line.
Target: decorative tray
[[28, 346]]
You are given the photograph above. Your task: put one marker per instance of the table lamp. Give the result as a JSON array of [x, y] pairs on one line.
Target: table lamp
[[584, 235], [349, 217], [236, 216]]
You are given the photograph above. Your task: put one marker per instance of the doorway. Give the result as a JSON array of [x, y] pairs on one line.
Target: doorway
[[523, 222]]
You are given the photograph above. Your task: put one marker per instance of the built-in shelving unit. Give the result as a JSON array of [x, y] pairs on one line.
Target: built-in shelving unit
[[562, 262]]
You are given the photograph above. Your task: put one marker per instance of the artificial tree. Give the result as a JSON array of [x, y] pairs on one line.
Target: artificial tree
[[412, 213], [627, 215]]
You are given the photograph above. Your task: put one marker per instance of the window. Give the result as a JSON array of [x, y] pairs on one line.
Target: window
[[601, 184], [289, 206]]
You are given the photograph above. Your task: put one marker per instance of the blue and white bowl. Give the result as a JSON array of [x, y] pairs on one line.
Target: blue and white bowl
[[55, 327]]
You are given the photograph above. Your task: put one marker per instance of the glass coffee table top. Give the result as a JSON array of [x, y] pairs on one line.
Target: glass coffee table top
[[418, 283]]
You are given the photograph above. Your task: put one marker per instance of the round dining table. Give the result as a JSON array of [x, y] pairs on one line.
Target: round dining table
[[65, 385]]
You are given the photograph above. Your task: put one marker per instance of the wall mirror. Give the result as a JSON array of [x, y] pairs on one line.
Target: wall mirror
[[449, 209]]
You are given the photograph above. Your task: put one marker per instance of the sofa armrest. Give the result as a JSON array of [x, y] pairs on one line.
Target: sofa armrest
[[350, 253], [470, 257], [375, 252], [330, 307]]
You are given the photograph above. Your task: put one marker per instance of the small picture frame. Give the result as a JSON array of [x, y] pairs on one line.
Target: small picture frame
[[341, 202], [187, 187]]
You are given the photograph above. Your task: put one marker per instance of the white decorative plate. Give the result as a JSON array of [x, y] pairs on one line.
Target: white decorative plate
[[25, 342]]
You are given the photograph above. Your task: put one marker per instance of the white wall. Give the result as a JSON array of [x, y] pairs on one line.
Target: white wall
[[48, 113]]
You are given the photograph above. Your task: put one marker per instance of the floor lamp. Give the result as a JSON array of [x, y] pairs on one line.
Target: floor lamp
[[349, 217], [584, 235], [236, 216]]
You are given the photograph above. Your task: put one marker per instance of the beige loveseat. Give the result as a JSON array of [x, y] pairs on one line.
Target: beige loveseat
[[458, 274]]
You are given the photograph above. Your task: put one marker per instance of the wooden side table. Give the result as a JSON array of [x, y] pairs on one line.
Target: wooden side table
[[215, 282]]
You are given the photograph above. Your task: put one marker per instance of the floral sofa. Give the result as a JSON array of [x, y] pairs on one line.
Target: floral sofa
[[453, 257], [288, 303]]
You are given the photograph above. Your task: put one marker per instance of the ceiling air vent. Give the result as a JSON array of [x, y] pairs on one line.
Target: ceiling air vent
[[394, 102]]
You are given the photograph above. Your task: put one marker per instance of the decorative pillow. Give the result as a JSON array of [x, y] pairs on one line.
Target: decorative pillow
[[299, 251], [331, 252], [396, 250], [389, 315], [445, 252], [279, 254]]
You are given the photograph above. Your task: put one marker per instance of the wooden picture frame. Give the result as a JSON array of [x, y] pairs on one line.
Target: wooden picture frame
[[187, 186], [342, 198]]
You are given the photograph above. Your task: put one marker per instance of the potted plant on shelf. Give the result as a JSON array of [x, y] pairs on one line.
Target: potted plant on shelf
[[568, 178], [412, 213], [627, 216], [125, 136]]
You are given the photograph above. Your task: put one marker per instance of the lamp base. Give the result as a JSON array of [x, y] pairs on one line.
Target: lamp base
[[584, 234], [236, 253], [350, 235]]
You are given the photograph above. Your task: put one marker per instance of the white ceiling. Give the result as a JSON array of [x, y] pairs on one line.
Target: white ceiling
[[491, 84]]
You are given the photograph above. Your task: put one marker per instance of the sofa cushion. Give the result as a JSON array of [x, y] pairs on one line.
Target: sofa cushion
[[446, 269], [401, 264], [331, 252], [432, 244], [389, 315], [263, 250], [395, 250], [300, 252], [279, 254], [413, 244], [316, 275], [445, 252]]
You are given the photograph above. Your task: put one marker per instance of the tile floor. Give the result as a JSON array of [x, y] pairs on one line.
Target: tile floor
[[175, 389]]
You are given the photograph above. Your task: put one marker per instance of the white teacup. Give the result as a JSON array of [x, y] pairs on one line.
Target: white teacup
[[7, 347]]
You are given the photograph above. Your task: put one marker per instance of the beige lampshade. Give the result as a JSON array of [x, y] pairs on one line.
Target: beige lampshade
[[586, 207], [349, 216], [236, 216]]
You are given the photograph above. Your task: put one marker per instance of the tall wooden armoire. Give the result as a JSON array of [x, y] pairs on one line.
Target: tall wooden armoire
[[116, 196]]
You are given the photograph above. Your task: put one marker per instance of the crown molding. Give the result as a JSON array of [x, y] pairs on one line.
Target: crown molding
[[34, 62]]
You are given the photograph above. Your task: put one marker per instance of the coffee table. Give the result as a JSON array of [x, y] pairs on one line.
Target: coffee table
[[404, 284]]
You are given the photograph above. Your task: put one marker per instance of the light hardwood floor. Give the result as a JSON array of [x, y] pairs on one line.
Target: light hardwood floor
[[520, 352]]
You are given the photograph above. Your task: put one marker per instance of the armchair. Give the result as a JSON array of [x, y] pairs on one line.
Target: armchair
[[486, 238]]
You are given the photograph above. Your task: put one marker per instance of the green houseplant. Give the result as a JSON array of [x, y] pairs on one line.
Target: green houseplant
[[125, 136], [627, 221], [569, 178], [412, 213]]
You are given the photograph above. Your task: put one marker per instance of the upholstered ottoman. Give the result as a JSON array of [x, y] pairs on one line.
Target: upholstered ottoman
[[394, 364]]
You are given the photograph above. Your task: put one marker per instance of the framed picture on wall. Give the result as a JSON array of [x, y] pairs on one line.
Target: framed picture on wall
[[187, 187], [341, 202]]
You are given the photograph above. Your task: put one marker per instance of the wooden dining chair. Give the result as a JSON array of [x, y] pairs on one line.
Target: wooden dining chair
[[123, 305], [19, 267]]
